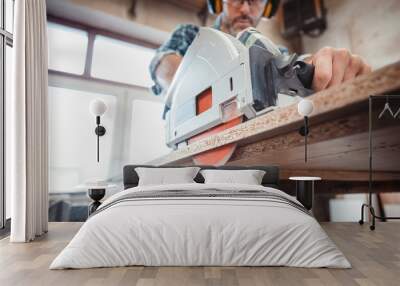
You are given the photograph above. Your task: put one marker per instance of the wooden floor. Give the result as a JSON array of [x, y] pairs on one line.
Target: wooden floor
[[375, 257]]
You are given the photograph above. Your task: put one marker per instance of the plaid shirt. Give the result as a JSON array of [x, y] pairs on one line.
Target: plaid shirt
[[179, 42]]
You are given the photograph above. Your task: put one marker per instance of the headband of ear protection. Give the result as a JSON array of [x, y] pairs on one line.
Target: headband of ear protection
[[215, 7]]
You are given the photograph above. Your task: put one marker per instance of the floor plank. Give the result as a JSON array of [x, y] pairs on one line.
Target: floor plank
[[375, 257]]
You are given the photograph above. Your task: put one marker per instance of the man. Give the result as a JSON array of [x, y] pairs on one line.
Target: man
[[332, 66]]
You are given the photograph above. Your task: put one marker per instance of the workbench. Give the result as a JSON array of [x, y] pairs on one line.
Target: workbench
[[338, 139]]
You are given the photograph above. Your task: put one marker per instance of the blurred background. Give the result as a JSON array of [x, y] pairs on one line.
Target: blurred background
[[102, 49]]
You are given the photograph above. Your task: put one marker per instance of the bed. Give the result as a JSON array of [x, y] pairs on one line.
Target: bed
[[201, 224]]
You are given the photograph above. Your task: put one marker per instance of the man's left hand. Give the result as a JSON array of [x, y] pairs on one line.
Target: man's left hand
[[334, 66]]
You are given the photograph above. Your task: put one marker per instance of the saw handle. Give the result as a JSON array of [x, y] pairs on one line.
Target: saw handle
[[305, 73]]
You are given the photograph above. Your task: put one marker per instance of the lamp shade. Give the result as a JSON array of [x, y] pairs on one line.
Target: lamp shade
[[97, 107], [305, 107]]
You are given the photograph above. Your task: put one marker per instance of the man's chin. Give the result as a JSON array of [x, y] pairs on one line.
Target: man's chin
[[240, 27]]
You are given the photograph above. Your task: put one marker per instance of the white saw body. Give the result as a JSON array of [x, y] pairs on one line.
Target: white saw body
[[233, 74]]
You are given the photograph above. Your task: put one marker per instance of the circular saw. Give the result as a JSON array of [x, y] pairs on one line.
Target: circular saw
[[223, 81]]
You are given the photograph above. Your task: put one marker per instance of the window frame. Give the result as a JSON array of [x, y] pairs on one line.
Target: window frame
[[6, 39], [68, 29], [92, 32]]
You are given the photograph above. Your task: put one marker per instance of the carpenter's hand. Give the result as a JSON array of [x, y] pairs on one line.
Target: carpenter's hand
[[334, 66]]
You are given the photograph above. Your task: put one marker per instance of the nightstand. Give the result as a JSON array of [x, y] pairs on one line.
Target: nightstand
[[305, 190], [96, 194], [96, 191]]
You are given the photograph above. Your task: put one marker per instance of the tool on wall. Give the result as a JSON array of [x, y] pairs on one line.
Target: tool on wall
[[397, 114], [298, 17], [387, 108], [223, 80], [97, 107]]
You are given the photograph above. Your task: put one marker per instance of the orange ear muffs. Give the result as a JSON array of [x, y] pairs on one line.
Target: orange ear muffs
[[271, 8], [215, 7]]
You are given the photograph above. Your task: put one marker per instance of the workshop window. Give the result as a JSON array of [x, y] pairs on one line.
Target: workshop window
[[67, 48], [121, 61]]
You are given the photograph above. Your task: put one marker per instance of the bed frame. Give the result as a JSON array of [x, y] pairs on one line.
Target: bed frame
[[271, 177]]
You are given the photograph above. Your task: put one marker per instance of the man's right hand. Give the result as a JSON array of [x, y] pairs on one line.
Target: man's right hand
[[334, 66]]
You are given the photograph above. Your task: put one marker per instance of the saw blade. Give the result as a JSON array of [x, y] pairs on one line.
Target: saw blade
[[220, 155]]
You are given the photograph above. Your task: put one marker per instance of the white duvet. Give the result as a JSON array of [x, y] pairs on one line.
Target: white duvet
[[200, 231]]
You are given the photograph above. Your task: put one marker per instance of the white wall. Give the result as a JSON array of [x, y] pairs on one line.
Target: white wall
[[347, 208], [147, 135], [368, 28], [72, 142], [134, 134]]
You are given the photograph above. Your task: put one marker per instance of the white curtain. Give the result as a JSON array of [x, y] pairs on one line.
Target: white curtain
[[27, 159]]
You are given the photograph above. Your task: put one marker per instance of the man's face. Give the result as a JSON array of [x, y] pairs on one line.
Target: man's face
[[239, 15]]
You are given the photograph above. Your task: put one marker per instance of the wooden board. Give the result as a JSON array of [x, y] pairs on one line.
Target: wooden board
[[338, 139]]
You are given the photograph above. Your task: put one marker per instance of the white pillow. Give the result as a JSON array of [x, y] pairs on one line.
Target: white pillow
[[247, 177], [166, 176]]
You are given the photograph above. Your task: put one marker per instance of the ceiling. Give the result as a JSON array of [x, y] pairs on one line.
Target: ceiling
[[67, 10]]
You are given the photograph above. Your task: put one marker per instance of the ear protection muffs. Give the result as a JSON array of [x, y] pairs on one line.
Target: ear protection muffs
[[215, 7]]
